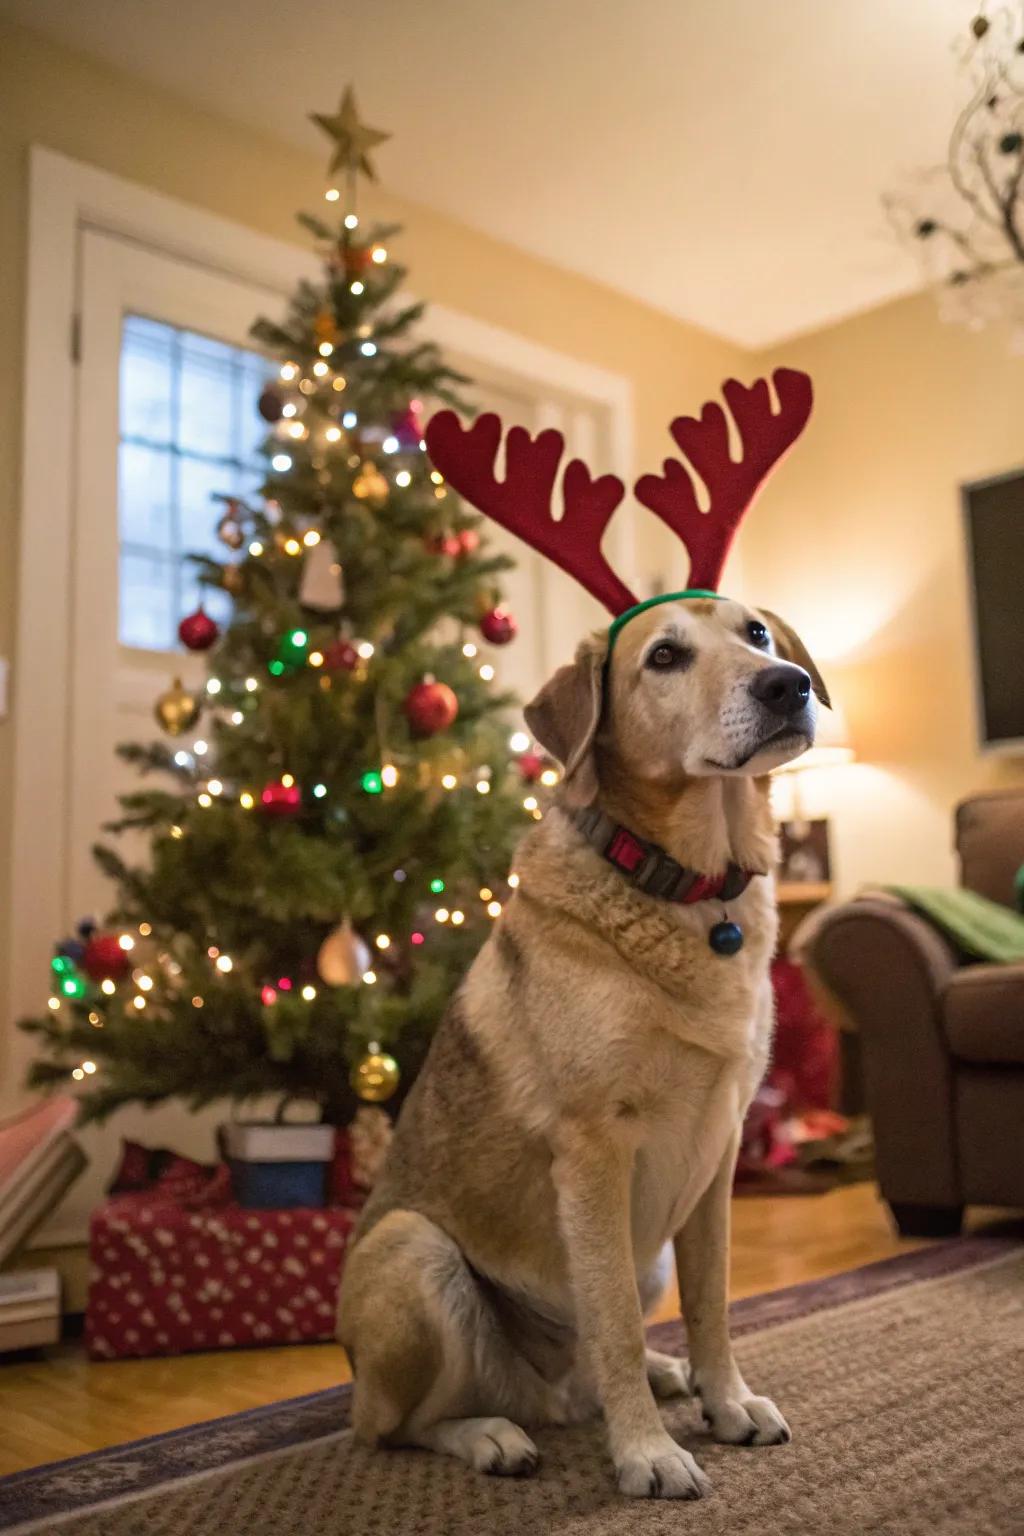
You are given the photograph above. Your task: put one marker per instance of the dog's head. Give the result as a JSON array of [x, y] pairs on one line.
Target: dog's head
[[692, 688]]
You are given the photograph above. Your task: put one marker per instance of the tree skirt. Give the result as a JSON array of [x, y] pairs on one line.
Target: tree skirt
[[903, 1383]]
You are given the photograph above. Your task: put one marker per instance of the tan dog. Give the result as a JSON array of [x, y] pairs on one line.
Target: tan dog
[[581, 1103]]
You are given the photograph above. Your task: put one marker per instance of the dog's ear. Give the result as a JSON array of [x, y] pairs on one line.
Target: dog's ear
[[791, 648], [566, 713]]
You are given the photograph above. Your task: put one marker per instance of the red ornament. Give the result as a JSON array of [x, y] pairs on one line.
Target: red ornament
[[280, 799], [431, 707], [355, 258], [469, 541], [499, 626], [407, 425], [104, 959], [268, 996], [531, 766], [270, 405], [198, 631], [341, 656]]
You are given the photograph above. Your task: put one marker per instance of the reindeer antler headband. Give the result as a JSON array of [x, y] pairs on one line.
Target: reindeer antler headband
[[522, 501]]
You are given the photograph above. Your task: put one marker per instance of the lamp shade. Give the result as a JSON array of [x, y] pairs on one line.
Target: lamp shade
[[831, 747]]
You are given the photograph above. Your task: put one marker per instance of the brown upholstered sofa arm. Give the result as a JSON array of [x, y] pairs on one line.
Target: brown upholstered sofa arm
[[888, 969]]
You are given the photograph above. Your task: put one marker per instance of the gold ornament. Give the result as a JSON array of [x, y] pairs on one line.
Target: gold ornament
[[324, 328], [375, 1078], [343, 957], [229, 529], [353, 140], [370, 484], [176, 710]]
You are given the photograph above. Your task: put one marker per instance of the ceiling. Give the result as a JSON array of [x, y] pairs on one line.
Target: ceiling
[[721, 160]]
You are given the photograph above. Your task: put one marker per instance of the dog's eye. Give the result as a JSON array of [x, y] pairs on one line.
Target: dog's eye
[[757, 634], [667, 656]]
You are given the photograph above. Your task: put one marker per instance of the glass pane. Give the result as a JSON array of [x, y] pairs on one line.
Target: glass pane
[[147, 600], [190, 430], [205, 390], [146, 497], [146, 374]]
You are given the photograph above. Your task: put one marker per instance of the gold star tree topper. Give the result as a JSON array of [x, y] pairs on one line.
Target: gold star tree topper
[[353, 139]]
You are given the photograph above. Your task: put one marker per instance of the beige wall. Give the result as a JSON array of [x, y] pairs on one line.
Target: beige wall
[[69, 103], [859, 542]]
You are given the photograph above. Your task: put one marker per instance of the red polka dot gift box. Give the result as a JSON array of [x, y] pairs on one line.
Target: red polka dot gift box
[[178, 1265]]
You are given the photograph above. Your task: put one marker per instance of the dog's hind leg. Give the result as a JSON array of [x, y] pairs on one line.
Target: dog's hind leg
[[431, 1368]]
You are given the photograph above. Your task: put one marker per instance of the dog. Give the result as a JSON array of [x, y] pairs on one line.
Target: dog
[[581, 1103]]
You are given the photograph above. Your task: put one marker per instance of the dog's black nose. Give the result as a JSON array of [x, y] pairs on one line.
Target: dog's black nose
[[783, 689]]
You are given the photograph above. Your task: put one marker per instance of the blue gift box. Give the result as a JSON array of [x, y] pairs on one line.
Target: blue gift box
[[275, 1167]]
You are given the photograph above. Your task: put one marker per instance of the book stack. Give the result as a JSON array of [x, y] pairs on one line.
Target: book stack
[[39, 1160]]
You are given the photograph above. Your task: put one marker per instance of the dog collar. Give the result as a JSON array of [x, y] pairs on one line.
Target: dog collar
[[652, 602], [650, 869]]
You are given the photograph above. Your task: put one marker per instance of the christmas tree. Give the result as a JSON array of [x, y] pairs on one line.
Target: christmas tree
[[329, 830]]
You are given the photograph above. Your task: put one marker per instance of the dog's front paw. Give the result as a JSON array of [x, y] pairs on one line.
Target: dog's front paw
[[745, 1420], [659, 1469]]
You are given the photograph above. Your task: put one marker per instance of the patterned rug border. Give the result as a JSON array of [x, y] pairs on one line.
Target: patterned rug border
[[60, 1489]]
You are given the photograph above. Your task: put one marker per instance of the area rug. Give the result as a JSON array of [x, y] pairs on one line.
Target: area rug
[[903, 1382]]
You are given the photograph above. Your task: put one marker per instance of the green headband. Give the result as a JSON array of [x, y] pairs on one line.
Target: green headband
[[652, 602]]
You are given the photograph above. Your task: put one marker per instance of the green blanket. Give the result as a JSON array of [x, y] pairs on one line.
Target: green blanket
[[981, 928]]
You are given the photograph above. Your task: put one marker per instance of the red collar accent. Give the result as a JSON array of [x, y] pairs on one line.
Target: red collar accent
[[650, 869]]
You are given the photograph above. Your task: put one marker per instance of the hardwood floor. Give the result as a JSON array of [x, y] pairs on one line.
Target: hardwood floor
[[62, 1405]]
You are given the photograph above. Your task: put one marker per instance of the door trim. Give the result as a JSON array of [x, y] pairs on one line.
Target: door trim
[[67, 196]]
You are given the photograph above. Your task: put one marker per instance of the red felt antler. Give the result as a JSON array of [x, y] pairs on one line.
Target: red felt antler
[[765, 438], [522, 501]]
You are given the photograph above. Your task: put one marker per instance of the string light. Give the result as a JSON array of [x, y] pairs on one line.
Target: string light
[[177, 832], [88, 1067], [417, 938], [403, 478], [351, 221], [146, 983], [268, 995], [369, 349], [357, 287], [437, 886], [365, 649], [339, 383], [369, 977], [513, 880], [440, 492], [281, 462], [311, 538], [399, 875], [291, 409], [458, 917], [519, 741], [288, 780], [297, 430], [319, 791], [145, 929], [389, 775], [383, 941], [308, 993], [139, 1002], [126, 942], [255, 549], [372, 783], [321, 370], [483, 787], [237, 717], [390, 445], [529, 804], [437, 477], [448, 781], [494, 909], [349, 420], [487, 672], [95, 1021], [316, 658], [326, 348], [213, 685], [200, 748], [442, 914], [78, 1074], [205, 801], [486, 893], [197, 1002], [53, 1002], [333, 434], [292, 547], [182, 759], [215, 787], [246, 800], [251, 685], [549, 777], [379, 254], [331, 195], [225, 963], [289, 371], [469, 649]]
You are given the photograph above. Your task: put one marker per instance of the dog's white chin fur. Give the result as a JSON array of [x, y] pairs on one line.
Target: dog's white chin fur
[[763, 760]]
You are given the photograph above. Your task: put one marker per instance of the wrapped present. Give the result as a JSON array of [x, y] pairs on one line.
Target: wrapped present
[[178, 1265]]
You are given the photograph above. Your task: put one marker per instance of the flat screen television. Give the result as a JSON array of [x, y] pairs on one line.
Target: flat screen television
[[994, 521]]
